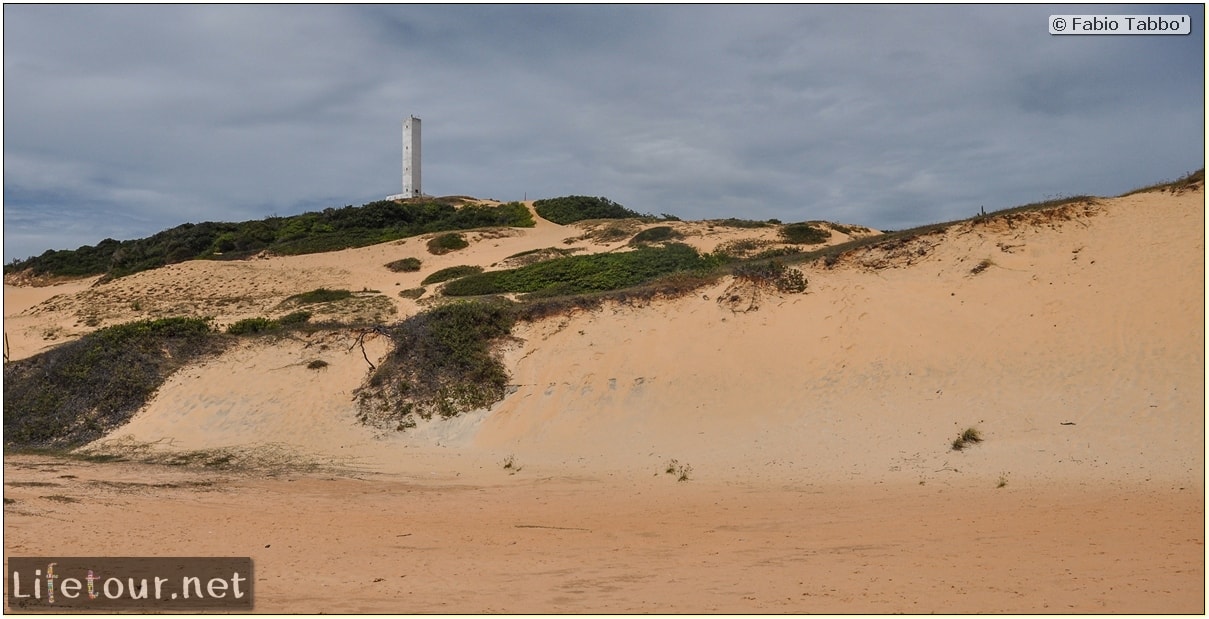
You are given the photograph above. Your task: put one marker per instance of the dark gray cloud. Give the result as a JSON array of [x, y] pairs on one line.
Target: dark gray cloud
[[124, 120]]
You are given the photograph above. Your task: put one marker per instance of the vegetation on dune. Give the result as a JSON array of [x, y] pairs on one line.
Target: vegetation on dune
[[772, 274], [579, 274], [1186, 182], [251, 326], [804, 234], [75, 393], [328, 230], [658, 234], [570, 209], [318, 295], [731, 222], [442, 364], [453, 272], [406, 265], [445, 243]]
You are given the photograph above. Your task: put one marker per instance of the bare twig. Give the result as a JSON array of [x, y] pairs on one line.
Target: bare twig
[[361, 333]]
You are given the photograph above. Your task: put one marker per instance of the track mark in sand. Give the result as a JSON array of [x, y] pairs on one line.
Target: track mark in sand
[[542, 526]]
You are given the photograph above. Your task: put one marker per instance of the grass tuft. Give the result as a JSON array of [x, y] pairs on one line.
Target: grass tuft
[[969, 436]]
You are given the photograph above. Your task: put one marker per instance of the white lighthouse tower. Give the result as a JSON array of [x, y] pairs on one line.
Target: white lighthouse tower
[[411, 160], [411, 157]]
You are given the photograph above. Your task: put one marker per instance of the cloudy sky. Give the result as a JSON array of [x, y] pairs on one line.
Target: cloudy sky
[[120, 121]]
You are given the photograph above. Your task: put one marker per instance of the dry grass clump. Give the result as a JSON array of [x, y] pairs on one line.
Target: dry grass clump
[[985, 264], [969, 436]]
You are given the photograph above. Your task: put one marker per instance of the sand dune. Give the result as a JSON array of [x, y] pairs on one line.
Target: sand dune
[[1072, 340]]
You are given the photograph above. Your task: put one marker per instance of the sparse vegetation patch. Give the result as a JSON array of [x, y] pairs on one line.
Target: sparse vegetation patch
[[579, 274], [252, 326], [73, 394], [969, 436], [406, 265], [772, 274], [658, 234], [442, 364], [449, 273], [319, 295], [445, 243], [804, 234]]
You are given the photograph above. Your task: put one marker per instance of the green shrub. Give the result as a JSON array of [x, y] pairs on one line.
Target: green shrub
[[658, 234], [772, 274], [537, 255], [406, 265], [570, 209], [739, 248], [442, 364], [77, 392], [295, 318], [610, 234], [445, 243], [804, 234], [591, 273], [731, 222], [412, 293], [251, 326], [329, 230], [449, 273], [319, 295]]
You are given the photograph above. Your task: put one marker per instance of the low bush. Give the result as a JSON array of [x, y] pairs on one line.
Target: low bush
[[449, 273], [570, 209], [252, 326], [591, 273], [658, 234], [445, 243], [77, 392], [731, 222], [406, 265], [804, 234], [295, 318], [772, 274], [319, 295], [442, 364], [413, 293], [740, 248]]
